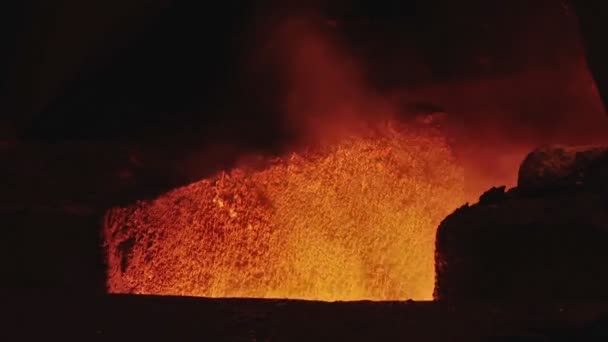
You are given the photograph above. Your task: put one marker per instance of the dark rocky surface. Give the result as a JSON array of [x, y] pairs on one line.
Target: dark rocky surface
[[144, 318], [564, 168], [544, 240]]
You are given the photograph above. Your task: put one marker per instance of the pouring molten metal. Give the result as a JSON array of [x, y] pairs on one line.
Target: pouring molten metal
[[354, 220]]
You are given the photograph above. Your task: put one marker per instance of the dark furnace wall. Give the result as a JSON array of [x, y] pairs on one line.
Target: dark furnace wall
[[593, 20]]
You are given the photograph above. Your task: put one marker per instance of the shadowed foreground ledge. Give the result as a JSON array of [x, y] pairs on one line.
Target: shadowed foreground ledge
[[544, 240], [149, 318]]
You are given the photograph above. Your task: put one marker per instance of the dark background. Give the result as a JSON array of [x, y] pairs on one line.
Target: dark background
[[106, 102], [117, 68]]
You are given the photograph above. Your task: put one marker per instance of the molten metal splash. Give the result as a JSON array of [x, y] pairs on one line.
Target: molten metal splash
[[353, 221]]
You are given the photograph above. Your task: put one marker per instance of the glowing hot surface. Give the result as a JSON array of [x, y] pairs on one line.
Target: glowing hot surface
[[356, 220]]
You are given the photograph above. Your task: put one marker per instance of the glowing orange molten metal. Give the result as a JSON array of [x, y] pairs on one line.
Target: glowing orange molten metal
[[355, 220]]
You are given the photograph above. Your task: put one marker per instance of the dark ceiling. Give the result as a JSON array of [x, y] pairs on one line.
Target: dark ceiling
[[132, 69]]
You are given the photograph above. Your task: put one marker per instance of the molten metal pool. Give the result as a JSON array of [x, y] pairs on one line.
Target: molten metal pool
[[355, 220]]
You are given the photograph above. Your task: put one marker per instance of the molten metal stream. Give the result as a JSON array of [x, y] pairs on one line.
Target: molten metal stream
[[356, 220]]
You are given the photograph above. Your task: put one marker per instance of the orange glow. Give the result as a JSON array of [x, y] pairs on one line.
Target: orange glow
[[353, 220]]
